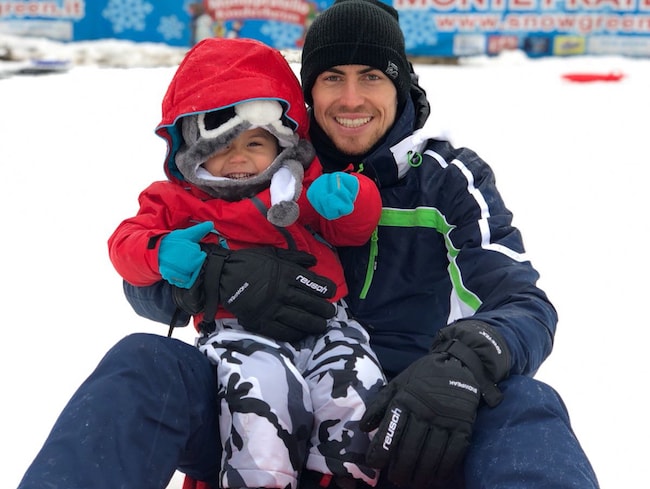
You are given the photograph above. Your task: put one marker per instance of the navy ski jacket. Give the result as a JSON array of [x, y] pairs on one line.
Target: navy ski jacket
[[445, 249]]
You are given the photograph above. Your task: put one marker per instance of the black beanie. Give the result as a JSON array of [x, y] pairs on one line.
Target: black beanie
[[356, 32]]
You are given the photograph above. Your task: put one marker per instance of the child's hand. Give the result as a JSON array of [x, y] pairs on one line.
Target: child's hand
[[333, 194], [180, 257]]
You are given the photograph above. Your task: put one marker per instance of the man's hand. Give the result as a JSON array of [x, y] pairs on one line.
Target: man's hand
[[425, 415], [269, 290]]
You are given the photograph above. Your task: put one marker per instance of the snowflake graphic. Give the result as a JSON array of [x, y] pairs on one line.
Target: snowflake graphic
[[283, 35], [127, 14], [171, 27], [418, 28]]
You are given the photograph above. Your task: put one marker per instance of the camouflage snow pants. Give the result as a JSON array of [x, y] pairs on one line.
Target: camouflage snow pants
[[284, 407]]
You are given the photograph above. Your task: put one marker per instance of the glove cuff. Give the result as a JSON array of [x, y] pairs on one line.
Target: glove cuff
[[203, 296], [482, 349]]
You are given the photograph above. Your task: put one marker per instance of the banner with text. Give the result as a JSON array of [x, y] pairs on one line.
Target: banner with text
[[445, 28]]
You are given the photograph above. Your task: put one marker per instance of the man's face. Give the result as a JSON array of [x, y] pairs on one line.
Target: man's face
[[355, 105]]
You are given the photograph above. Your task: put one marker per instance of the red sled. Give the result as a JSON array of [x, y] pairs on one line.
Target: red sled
[[593, 77], [190, 483]]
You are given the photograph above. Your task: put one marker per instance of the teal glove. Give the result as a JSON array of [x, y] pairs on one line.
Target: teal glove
[[180, 257], [333, 194]]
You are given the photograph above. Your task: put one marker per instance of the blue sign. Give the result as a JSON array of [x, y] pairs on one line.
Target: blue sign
[[443, 28], [538, 27], [79, 20]]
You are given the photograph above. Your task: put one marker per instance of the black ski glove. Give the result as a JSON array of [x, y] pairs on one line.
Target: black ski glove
[[425, 415], [269, 290]]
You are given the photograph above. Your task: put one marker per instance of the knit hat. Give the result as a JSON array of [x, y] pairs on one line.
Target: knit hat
[[356, 32], [206, 133]]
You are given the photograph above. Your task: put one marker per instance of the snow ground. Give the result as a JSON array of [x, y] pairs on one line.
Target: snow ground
[[571, 161]]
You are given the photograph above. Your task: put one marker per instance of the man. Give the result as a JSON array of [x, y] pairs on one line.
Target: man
[[446, 267], [444, 288]]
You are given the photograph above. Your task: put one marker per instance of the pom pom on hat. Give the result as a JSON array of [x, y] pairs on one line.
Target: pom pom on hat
[[208, 132]]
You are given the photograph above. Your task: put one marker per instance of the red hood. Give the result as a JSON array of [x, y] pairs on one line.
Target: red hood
[[217, 73]]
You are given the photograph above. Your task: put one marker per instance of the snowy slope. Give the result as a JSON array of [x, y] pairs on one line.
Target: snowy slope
[[571, 161]]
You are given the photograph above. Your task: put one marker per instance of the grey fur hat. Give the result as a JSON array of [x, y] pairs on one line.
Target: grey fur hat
[[206, 133]]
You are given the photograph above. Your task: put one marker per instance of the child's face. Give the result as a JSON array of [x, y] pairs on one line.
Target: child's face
[[247, 155]]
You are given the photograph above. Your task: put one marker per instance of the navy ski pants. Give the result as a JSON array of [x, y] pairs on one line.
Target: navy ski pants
[[150, 407]]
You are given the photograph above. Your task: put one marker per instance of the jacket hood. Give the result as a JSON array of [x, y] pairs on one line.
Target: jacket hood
[[220, 73]]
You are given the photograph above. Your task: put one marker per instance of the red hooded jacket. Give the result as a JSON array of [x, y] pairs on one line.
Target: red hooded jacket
[[217, 73]]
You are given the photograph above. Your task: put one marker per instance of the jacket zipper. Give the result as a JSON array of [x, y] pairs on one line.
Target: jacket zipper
[[372, 263]]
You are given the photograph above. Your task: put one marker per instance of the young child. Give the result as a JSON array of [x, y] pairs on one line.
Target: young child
[[238, 165]]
